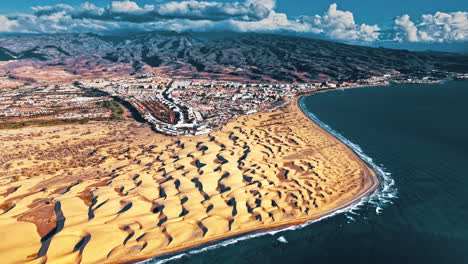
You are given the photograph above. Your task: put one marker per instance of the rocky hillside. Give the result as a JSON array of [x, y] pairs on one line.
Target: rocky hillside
[[6, 55], [245, 56]]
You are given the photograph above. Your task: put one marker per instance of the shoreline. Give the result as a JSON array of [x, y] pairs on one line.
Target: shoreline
[[323, 171], [372, 175]]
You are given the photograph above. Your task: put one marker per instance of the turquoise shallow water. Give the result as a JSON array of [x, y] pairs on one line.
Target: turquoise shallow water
[[418, 134]]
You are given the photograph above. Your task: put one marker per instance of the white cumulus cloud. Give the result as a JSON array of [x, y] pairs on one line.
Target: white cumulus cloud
[[7, 25], [238, 15], [440, 27], [269, 4], [338, 24], [274, 22]]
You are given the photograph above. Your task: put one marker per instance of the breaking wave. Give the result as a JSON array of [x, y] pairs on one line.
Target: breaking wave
[[387, 190], [384, 195]]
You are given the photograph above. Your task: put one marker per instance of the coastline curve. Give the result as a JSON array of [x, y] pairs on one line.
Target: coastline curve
[[381, 192]]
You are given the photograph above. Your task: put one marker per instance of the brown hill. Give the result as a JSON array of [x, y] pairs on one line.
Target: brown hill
[[245, 56]]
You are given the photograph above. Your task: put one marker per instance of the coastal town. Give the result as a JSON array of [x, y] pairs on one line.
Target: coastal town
[[241, 131], [171, 106]]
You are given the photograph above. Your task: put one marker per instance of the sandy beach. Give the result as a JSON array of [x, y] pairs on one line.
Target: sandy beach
[[115, 192]]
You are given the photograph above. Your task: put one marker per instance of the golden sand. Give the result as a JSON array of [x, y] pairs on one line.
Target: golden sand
[[116, 192]]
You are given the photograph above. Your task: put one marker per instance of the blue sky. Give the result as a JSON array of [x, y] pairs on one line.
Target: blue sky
[[374, 11], [370, 11], [344, 20]]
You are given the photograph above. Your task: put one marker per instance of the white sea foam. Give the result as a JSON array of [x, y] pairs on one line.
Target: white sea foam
[[282, 239], [387, 190], [383, 196]]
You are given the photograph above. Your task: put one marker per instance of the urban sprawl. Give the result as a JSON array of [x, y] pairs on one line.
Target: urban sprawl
[[171, 106]]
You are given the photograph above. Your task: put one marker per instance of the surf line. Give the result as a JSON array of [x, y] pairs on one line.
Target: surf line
[[381, 192]]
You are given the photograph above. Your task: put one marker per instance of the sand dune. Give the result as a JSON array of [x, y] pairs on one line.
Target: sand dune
[[116, 192]]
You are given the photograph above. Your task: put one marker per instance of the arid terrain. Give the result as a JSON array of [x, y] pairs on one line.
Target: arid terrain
[[114, 191], [223, 56]]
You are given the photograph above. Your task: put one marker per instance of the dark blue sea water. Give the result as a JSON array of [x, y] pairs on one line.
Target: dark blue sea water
[[418, 134]]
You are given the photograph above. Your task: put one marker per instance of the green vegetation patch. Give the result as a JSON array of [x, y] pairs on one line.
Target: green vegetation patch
[[114, 107], [93, 92], [53, 122], [117, 111]]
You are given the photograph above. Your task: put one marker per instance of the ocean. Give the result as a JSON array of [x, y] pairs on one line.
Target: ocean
[[416, 137]]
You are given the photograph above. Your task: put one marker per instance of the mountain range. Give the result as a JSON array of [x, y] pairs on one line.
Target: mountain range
[[223, 55]]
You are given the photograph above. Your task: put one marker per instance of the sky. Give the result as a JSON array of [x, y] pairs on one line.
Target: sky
[[355, 21]]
